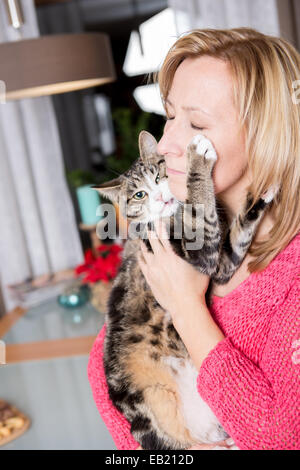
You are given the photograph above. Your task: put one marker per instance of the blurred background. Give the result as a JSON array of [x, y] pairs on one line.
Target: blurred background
[[75, 92]]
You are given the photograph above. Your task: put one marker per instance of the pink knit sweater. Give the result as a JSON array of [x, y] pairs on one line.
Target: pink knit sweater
[[251, 378]]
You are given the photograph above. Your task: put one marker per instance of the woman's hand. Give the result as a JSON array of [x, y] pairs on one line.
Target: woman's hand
[[174, 282], [180, 290]]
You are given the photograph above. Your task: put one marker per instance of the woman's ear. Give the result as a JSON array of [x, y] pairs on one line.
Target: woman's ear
[[147, 146], [110, 189]]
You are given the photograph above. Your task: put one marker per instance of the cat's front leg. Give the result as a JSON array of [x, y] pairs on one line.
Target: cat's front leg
[[240, 235], [201, 232]]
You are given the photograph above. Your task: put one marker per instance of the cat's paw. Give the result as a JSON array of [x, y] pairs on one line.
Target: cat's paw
[[230, 445], [269, 195], [225, 448], [204, 147]]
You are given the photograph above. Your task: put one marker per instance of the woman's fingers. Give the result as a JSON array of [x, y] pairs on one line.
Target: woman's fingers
[[143, 250], [144, 256], [143, 265], [158, 239], [154, 242], [162, 234]]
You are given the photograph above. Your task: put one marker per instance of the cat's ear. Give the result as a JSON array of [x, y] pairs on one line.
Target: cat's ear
[[110, 189], [147, 146]]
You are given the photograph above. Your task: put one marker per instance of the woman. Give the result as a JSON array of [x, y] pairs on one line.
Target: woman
[[235, 87]]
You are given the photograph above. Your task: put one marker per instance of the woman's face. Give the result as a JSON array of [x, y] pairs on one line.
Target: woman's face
[[201, 101]]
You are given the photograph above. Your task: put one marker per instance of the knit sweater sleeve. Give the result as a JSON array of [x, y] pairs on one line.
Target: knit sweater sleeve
[[116, 423], [258, 405]]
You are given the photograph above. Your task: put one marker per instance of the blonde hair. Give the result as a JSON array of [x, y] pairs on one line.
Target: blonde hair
[[264, 69]]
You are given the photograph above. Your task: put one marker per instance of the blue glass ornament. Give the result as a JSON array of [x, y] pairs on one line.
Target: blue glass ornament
[[74, 296]]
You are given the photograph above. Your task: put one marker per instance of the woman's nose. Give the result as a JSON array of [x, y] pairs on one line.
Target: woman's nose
[[170, 144]]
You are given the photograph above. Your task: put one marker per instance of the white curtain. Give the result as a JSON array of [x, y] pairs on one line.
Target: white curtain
[[259, 14], [38, 232]]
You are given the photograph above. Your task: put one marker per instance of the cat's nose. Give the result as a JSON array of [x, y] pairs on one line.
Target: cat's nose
[[158, 197]]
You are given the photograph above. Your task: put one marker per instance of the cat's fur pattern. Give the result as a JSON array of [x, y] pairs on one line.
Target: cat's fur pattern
[[150, 376]]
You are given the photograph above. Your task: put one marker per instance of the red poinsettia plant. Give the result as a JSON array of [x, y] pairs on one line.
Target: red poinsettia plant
[[102, 267]]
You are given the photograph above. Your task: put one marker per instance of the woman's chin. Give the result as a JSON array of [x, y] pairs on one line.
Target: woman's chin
[[178, 189]]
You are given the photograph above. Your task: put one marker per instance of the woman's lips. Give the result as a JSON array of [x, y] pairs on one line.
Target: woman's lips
[[170, 171]]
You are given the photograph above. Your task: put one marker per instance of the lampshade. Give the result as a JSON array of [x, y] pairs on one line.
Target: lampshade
[[54, 64]]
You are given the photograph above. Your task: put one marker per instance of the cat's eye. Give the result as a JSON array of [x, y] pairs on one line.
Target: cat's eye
[[140, 195], [157, 179]]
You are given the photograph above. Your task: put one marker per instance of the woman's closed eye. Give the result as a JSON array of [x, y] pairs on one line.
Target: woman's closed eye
[[197, 128], [193, 126]]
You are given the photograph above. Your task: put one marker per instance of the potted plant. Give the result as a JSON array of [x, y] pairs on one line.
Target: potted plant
[[98, 271]]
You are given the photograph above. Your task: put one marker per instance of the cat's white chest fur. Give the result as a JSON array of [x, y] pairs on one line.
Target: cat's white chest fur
[[200, 420]]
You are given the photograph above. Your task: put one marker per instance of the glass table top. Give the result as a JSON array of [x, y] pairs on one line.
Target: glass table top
[[49, 321], [56, 396], [55, 392]]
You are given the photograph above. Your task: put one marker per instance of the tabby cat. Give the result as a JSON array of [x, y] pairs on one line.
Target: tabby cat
[[150, 376]]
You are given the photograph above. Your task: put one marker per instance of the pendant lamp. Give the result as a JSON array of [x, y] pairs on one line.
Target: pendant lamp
[[55, 63]]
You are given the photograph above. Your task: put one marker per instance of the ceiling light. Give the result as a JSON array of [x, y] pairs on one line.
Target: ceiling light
[[148, 98], [53, 64], [158, 34]]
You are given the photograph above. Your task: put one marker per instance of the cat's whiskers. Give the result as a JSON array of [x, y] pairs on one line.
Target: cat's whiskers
[[114, 171]]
